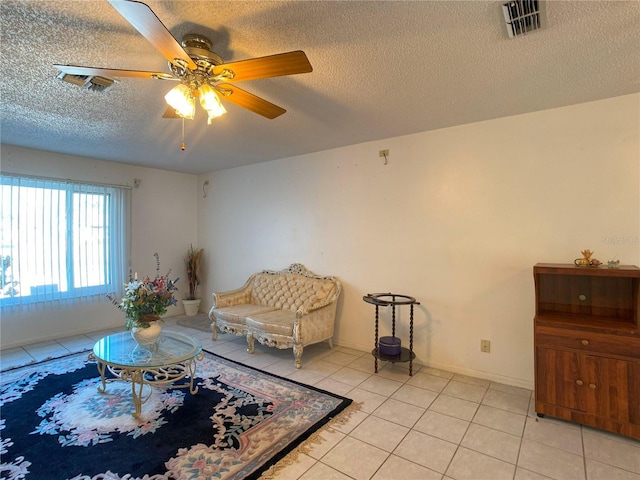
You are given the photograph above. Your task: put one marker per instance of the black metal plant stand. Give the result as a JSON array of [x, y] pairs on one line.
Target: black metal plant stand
[[393, 299]]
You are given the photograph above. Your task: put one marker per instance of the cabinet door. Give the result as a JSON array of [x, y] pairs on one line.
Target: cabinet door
[[558, 379], [613, 388]]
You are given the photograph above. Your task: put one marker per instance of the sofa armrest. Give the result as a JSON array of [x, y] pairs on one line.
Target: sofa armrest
[[315, 325], [331, 300], [233, 297]]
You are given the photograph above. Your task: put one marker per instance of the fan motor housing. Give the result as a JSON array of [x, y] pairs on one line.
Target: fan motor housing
[[198, 47]]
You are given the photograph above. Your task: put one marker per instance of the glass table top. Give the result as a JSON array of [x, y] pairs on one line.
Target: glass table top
[[120, 349]]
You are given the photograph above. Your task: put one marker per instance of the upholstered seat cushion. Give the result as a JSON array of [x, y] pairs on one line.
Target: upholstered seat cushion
[[279, 322], [238, 313]]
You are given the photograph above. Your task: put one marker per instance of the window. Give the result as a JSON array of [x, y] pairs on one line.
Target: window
[[61, 240]]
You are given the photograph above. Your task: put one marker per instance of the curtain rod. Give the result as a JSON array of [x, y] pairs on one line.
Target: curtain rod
[[69, 180]]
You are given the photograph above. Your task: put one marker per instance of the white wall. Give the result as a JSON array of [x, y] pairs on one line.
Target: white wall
[[163, 220], [457, 219]]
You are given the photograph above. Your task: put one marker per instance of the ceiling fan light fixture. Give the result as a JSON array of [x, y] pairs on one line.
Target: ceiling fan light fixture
[[211, 102], [199, 71], [182, 100]]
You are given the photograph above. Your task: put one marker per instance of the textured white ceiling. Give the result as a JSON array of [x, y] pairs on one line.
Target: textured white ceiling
[[381, 69]]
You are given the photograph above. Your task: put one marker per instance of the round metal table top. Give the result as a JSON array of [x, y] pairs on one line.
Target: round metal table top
[[385, 299], [120, 349]]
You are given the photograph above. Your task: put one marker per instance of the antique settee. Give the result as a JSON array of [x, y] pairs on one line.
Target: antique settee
[[290, 308]]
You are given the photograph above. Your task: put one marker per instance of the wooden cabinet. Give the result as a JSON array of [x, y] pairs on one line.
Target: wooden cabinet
[[587, 345]]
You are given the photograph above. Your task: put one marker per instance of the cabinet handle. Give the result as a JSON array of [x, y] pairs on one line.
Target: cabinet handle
[[592, 386], [585, 342], [578, 382]]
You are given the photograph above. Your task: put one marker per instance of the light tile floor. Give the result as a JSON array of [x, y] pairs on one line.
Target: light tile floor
[[432, 425]]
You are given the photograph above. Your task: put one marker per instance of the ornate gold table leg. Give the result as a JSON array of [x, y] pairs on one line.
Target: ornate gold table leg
[[191, 368], [166, 376], [102, 367], [137, 379]]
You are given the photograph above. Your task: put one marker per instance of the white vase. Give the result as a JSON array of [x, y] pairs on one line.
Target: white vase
[[147, 335], [191, 306]]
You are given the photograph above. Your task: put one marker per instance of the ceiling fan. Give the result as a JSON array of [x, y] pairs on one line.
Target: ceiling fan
[[202, 73]]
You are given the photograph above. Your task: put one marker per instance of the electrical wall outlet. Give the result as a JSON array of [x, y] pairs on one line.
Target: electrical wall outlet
[[485, 346], [383, 153]]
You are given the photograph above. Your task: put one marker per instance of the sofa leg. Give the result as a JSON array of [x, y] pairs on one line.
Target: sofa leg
[[214, 331], [297, 352], [331, 343], [250, 342]]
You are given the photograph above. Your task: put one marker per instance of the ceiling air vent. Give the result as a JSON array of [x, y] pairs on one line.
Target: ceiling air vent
[[521, 16], [93, 83]]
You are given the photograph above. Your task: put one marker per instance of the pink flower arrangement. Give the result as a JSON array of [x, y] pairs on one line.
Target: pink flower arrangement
[[144, 301]]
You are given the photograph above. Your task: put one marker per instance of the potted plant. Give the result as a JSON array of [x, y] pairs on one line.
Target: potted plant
[[144, 303], [192, 302]]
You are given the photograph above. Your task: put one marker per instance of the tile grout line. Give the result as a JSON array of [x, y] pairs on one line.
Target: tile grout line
[[459, 444], [584, 453]]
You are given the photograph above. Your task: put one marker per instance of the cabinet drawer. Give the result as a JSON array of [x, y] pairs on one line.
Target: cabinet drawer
[[588, 341]]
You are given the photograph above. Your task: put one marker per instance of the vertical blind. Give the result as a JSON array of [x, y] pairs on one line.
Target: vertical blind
[[61, 241]]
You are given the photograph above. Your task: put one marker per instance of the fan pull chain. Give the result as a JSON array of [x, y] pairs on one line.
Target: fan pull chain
[[182, 147]]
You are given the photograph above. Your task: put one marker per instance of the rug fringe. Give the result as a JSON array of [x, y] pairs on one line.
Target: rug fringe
[[314, 439]]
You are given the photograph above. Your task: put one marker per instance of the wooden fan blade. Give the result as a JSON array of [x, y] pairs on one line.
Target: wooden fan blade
[[265, 67], [149, 25], [249, 101], [110, 72]]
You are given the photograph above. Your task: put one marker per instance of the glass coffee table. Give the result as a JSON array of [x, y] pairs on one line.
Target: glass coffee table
[[170, 360]]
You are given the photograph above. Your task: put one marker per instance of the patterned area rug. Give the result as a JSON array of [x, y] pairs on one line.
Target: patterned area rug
[[55, 424]]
